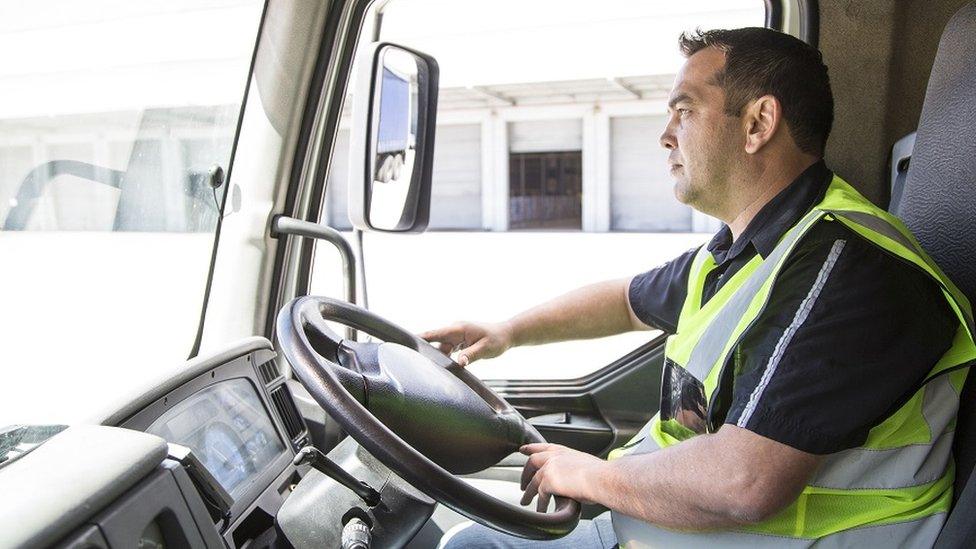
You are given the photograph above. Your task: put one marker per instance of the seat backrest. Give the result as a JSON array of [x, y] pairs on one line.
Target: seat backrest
[[938, 201]]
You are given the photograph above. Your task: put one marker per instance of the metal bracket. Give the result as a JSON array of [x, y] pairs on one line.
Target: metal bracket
[[284, 225]]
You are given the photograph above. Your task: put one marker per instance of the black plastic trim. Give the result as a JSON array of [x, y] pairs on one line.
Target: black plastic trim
[[242, 367], [810, 22], [157, 500], [774, 14], [624, 396]]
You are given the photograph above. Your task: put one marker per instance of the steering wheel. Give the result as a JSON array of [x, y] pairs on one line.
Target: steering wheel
[[415, 410]]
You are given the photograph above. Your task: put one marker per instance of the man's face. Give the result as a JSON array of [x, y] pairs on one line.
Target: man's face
[[704, 141]]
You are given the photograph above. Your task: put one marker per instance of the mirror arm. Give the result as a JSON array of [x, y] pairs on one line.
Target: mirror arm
[[284, 225]]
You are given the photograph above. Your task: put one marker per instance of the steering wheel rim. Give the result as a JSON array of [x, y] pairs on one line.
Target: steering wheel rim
[[333, 387]]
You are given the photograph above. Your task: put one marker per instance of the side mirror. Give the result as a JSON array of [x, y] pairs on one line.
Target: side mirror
[[392, 139]]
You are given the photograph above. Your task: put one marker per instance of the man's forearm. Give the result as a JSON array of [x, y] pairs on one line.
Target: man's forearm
[[704, 483], [592, 311], [662, 489]]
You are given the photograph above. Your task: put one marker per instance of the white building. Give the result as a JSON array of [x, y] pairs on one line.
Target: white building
[[569, 155], [550, 112], [544, 119]]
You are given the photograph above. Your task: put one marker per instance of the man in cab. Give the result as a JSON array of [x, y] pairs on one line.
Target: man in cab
[[815, 352]]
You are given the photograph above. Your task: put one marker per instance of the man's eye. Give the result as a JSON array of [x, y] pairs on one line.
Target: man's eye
[[682, 112]]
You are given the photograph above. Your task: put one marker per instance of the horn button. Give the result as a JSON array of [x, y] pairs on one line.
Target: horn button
[[433, 410]]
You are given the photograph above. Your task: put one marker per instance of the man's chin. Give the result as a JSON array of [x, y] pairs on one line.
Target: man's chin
[[681, 191]]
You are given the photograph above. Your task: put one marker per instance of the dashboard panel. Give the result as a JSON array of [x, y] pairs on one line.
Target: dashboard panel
[[228, 430], [240, 422]]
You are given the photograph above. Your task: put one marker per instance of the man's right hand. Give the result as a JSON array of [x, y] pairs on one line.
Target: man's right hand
[[473, 341]]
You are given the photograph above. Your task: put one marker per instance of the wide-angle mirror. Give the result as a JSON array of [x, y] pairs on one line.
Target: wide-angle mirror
[[393, 140]]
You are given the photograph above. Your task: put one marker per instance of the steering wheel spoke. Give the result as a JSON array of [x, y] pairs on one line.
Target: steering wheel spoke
[[322, 337], [360, 357]]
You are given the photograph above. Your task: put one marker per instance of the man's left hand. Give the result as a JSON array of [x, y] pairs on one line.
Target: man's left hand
[[554, 469]]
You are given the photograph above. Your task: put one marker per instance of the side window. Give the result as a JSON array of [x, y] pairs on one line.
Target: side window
[[548, 174]]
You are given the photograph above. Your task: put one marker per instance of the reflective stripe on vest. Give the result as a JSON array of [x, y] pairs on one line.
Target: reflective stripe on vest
[[903, 472], [882, 468], [893, 468], [916, 533]]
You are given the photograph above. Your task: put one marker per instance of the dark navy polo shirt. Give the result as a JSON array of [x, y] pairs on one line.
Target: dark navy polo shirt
[[848, 335]]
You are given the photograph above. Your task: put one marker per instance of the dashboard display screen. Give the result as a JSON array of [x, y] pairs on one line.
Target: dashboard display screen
[[227, 428]]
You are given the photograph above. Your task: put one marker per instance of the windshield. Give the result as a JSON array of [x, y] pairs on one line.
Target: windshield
[[16, 441], [116, 122]]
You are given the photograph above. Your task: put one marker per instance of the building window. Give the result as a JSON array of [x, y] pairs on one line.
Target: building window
[[545, 190]]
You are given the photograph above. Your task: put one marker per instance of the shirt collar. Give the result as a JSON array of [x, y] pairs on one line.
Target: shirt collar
[[776, 217]]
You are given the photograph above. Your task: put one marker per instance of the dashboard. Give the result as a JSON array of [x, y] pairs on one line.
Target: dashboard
[[242, 426], [203, 458], [200, 458]]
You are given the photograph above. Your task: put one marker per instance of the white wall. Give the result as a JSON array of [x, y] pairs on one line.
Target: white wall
[[624, 167], [528, 136], [456, 181], [641, 195]]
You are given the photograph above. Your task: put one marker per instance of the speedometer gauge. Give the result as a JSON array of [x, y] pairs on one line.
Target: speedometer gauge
[[223, 453], [228, 429]]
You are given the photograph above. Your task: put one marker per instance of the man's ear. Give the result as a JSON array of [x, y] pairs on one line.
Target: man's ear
[[762, 119]]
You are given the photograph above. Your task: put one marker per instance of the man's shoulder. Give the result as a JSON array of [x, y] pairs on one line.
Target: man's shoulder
[[859, 270]]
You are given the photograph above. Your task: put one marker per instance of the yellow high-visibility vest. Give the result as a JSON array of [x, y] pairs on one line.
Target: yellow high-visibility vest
[[896, 489]]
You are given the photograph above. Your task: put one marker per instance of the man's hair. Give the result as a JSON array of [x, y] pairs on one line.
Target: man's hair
[[760, 61]]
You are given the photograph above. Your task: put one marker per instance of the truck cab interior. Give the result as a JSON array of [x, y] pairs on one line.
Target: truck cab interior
[[309, 421]]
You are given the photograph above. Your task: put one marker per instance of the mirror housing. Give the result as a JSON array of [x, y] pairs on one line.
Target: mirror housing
[[391, 141]]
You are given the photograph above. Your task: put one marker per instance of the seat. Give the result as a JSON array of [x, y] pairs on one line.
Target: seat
[[937, 203]]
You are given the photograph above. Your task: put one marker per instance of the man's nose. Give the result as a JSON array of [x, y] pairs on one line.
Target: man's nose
[[667, 139]]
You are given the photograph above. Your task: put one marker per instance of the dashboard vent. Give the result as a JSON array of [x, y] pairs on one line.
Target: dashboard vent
[[285, 406], [269, 372]]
